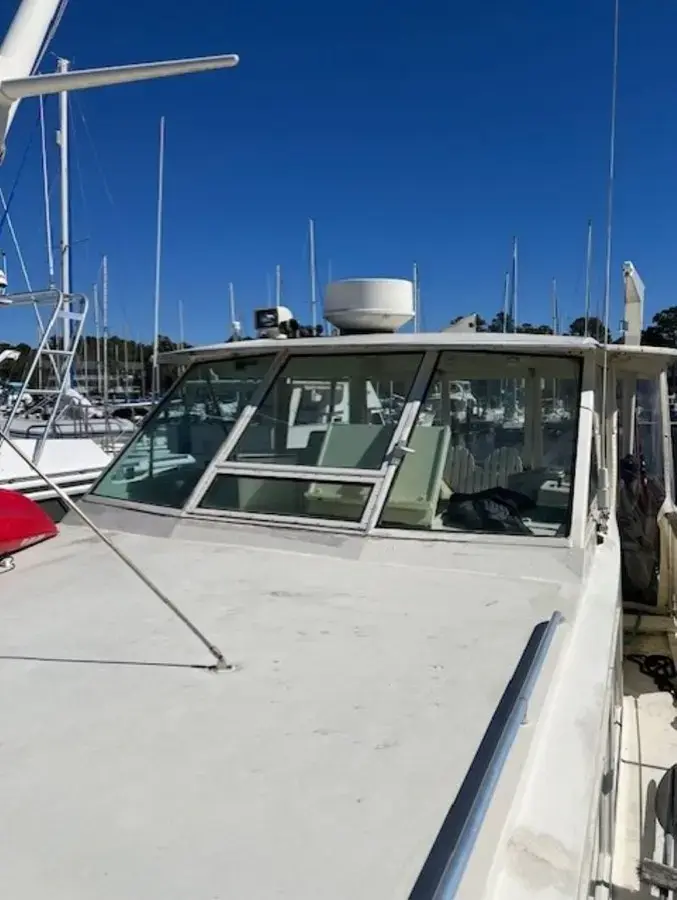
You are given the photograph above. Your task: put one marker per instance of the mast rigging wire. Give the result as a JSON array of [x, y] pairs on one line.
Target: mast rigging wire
[[45, 189], [24, 158], [50, 34]]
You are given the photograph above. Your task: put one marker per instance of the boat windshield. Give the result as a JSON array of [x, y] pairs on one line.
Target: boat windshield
[[501, 459], [488, 443], [163, 462], [299, 422]]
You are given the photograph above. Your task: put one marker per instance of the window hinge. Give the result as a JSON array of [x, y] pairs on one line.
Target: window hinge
[[399, 451]]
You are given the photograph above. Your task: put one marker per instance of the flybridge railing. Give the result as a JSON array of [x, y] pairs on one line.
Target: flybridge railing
[[445, 866]]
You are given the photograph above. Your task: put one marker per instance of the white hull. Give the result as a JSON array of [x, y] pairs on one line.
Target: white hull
[[73, 464]]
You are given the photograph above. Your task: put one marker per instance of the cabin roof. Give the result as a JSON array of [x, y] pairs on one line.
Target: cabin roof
[[531, 343], [526, 343]]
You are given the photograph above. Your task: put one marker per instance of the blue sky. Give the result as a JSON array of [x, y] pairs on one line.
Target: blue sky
[[429, 131]]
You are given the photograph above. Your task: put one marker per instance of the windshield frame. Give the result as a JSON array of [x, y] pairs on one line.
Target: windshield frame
[[158, 410], [381, 480]]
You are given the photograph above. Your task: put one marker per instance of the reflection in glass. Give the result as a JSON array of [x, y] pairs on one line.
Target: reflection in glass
[[335, 411], [493, 448], [287, 497], [165, 460], [641, 487]]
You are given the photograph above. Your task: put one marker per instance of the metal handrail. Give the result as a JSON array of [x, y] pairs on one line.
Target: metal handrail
[[445, 866]]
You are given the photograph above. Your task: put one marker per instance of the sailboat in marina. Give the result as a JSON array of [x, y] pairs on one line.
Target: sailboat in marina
[[59, 431]]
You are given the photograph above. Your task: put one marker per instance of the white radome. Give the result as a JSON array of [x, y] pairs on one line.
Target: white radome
[[369, 304]]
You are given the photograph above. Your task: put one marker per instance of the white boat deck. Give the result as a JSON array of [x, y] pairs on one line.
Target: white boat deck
[[322, 766]]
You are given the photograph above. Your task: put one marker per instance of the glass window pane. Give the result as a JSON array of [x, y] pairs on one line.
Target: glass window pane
[[334, 411], [598, 424], [164, 461], [649, 427], [641, 488], [287, 497], [593, 486], [493, 448]]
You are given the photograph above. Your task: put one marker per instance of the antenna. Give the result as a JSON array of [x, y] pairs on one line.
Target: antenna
[[313, 276], [588, 274], [28, 36], [416, 297], [278, 286], [104, 267], [155, 387], [506, 300], [555, 308], [182, 341], [609, 222], [514, 284], [235, 327]]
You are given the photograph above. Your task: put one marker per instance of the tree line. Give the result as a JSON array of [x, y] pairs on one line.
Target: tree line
[[132, 360], [129, 362], [662, 332]]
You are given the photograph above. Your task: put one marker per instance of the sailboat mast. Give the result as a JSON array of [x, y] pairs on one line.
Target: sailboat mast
[[104, 270], [29, 35], [555, 330], [313, 274], [588, 273], [235, 326], [514, 284], [278, 286], [182, 340], [506, 301], [125, 361], [97, 333], [416, 310], [65, 240], [155, 387]]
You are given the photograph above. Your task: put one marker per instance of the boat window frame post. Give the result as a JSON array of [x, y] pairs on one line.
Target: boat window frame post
[[586, 424], [233, 437], [401, 437], [666, 435], [611, 435]]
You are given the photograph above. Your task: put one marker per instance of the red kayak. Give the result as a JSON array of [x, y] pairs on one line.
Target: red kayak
[[22, 523]]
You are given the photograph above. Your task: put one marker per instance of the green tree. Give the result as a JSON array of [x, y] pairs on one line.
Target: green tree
[[663, 329], [496, 324], [527, 328], [596, 329]]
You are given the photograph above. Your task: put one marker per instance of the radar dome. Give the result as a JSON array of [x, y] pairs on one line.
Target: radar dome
[[369, 305]]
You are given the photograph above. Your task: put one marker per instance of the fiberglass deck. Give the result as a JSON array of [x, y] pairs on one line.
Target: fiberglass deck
[[323, 765]]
